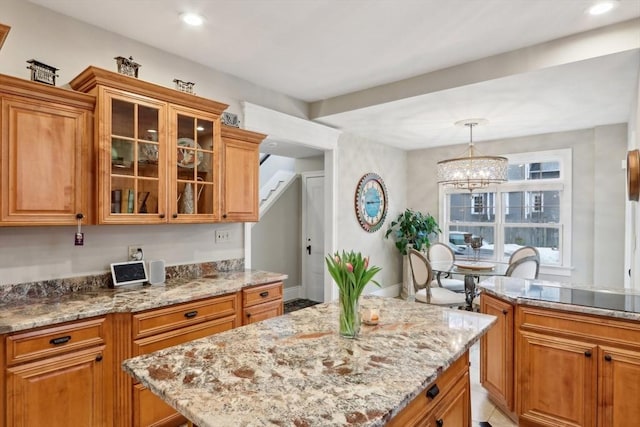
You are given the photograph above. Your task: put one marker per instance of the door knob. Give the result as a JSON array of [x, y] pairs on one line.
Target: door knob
[[309, 249]]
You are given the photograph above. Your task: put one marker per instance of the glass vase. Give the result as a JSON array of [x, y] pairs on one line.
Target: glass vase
[[349, 316]]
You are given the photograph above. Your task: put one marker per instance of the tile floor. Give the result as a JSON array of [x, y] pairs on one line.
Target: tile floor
[[481, 407]]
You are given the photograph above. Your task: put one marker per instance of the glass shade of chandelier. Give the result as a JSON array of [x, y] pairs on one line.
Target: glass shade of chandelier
[[472, 171]]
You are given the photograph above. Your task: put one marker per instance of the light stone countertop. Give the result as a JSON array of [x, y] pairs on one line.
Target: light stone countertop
[[43, 311], [295, 370], [606, 301]]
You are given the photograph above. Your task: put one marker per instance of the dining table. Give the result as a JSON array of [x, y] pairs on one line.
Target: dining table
[[473, 271]]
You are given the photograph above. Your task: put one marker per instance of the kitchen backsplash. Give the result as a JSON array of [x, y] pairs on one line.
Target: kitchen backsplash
[[56, 287]]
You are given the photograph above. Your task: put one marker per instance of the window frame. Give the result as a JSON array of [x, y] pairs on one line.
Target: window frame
[[562, 184]]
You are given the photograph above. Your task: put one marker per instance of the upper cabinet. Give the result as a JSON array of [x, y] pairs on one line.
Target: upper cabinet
[[158, 151], [240, 174], [44, 153]]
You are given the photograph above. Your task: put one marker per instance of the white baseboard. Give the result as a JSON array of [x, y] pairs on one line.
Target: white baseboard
[[292, 292], [388, 291]]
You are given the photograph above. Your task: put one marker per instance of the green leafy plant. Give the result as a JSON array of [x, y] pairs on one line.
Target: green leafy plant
[[412, 227], [351, 272]]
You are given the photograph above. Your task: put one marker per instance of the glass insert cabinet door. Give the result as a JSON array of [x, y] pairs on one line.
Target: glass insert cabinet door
[[194, 165], [137, 159]]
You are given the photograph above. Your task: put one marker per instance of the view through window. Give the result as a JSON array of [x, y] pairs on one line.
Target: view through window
[[532, 209]]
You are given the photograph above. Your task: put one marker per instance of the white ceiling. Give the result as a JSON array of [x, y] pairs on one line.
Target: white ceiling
[[338, 54]]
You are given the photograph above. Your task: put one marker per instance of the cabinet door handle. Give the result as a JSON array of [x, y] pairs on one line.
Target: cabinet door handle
[[433, 391], [99, 358], [440, 422], [587, 353], [191, 314], [264, 294], [60, 340], [607, 357]]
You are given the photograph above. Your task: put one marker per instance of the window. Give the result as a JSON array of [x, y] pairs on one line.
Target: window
[[532, 209]]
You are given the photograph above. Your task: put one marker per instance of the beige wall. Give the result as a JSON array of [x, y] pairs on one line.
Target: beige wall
[[276, 239], [423, 195], [356, 157]]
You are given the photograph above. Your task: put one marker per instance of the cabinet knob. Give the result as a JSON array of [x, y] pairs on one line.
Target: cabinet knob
[[440, 422], [191, 314], [433, 391], [587, 353], [505, 312], [224, 215], [161, 216], [99, 358], [248, 314], [79, 215], [264, 294], [175, 215], [60, 340], [607, 357]]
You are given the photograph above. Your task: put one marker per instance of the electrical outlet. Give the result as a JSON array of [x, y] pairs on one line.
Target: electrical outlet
[[135, 253], [222, 236]]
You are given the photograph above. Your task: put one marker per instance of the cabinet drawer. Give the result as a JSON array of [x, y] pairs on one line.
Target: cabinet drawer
[[47, 342], [260, 294], [416, 411], [183, 335], [601, 330], [259, 312], [177, 316]]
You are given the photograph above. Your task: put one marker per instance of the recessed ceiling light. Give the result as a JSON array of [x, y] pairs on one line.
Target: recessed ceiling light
[[602, 6], [192, 19]]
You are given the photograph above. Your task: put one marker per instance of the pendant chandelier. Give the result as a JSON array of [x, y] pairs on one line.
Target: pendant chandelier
[[472, 172]]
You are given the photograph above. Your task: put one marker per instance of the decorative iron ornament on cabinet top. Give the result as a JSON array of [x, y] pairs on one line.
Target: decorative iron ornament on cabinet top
[[127, 66], [41, 72]]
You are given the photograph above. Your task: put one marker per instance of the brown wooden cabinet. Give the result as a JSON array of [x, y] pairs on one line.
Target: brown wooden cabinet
[[576, 370], [262, 302], [497, 354], [156, 329], [44, 153], [158, 151], [444, 403], [240, 174], [55, 376]]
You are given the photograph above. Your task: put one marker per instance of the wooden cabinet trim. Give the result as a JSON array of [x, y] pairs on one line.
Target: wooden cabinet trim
[[94, 76], [49, 341], [155, 321]]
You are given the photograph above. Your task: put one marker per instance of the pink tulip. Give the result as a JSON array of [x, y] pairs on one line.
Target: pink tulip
[[349, 267], [366, 262], [337, 258]]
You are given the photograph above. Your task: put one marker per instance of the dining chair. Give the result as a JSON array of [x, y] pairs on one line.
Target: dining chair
[[441, 252], [523, 252], [524, 268], [422, 283]]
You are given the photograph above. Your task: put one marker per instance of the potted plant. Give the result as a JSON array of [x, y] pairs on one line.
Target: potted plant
[[411, 228]]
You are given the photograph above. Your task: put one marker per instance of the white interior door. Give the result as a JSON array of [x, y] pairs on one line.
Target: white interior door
[[313, 236]]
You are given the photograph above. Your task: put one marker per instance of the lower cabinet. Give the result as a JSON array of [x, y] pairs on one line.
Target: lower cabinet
[[154, 330], [444, 403], [497, 354], [262, 302], [55, 376], [576, 370]]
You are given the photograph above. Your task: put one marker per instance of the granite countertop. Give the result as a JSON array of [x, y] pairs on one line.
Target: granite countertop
[[295, 370], [588, 299], [41, 311]]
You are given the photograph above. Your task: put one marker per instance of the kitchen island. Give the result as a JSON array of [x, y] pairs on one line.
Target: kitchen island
[[561, 353], [295, 370]]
